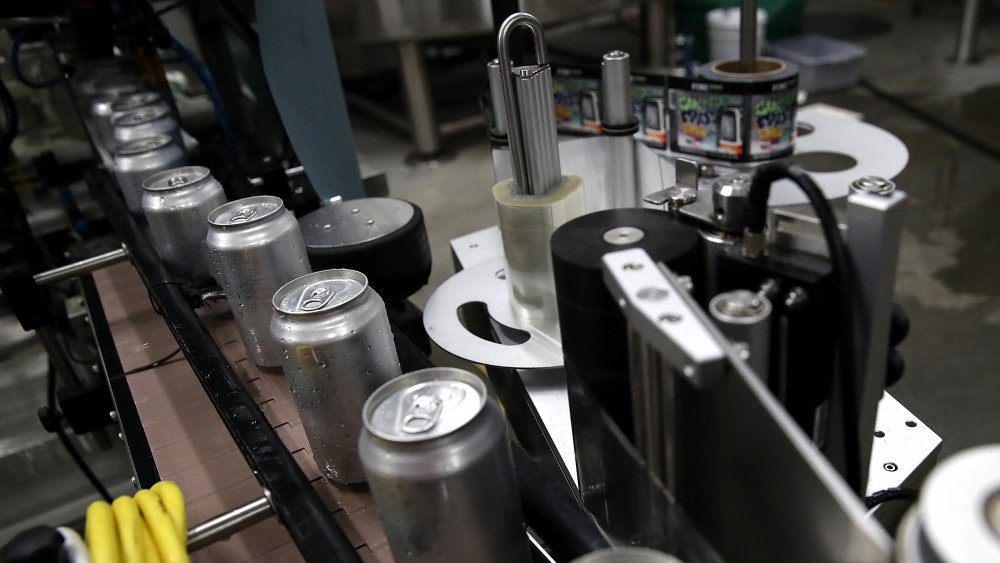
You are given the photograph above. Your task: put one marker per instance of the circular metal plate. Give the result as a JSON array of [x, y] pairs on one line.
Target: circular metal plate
[[623, 235], [482, 284], [354, 222]]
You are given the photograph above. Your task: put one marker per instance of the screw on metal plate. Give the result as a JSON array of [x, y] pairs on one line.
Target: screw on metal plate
[[873, 185], [890, 466]]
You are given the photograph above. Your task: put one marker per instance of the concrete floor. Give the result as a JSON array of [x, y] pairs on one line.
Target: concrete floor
[[949, 256]]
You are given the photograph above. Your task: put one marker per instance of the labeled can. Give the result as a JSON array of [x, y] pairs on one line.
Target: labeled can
[[337, 348], [439, 466], [134, 161], [138, 100], [145, 122], [176, 203], [255, 247]]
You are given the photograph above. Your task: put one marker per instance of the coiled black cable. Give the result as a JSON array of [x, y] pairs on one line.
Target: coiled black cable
[[756, 219]]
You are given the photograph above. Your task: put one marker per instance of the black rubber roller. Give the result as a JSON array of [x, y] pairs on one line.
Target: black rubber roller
[[384, 238], [593, 328]]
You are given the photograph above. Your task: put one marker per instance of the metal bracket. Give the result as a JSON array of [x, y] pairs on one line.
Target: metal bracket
[[685, 191]]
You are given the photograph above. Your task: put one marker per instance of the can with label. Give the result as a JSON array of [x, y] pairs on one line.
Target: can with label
[[134, 161], [337, 348], [176, 203], [438, 460], [255, 247], [145, 122]]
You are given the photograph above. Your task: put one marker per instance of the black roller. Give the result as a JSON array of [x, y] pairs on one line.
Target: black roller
[[384, 238], [594, 337]]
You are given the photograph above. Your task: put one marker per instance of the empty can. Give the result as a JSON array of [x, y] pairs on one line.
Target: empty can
[[255, 247], [176, 203], [439, 465], [138, 100], [337, 348], [134, 161], [145, 122]]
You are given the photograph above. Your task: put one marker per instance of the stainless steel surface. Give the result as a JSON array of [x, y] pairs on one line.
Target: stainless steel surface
[[228, 523], [873, 184], [907, 446], [418, 98], [623, 235], [665, 314], [748, 35], [626, 555], [619, 189], [145, 122], [69, 271], [336, 348], [439, 466], [255, 247], [956, 520], [176, 204], [616, 89], [745, 317], [737, 446], [530, 111], [729, 201], [660, 30], [355, 221], [499, 126], [874, 236], [134, 161], [967, 47]]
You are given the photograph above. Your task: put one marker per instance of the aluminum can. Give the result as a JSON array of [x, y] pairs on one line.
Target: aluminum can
[[138, 100], [176, 203], [255, 247], [145, 122], [626, 555], [135, 161], [439, 466], [337, 348]]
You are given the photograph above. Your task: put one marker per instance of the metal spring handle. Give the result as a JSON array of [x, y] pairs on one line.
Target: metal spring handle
[[546, 170]]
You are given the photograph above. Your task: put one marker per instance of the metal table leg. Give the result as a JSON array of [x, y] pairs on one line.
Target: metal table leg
[[967, 49], [416, 88]]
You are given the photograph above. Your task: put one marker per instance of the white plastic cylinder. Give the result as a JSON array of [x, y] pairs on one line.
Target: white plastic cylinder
[[724, 33]]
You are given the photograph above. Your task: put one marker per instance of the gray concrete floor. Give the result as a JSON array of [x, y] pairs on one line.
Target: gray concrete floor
[[950, 251]]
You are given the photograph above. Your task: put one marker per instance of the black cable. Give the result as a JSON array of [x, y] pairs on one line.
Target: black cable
[[11, 122], [933, 120], [885, 495], [55, 418], [756, 218], [154, 364]]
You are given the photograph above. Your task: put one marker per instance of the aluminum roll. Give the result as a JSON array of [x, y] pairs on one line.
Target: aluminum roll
[[176, 204], [255, 247], [134, 161], [145, 122], [337, 349], [745, 316], [439, 465], [526, 226]]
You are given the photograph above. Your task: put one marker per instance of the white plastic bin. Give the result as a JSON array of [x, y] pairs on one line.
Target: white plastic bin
[[825, 63]]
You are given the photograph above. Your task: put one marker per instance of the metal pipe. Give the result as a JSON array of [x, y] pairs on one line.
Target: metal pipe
[[616, 89], [418, 98], [968, 33], [228, 523], [748, 34], [499, 126], [87, 265]]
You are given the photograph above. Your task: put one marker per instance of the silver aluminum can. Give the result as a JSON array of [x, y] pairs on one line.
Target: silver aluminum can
[[255, 247], [138, 100], [439, 465], [626, 555], [337, 349], [176, 203], [135, 161], [145, 122]]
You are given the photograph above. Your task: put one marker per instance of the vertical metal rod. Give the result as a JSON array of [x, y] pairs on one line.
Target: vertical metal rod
[[659, 39], [418, 98], [748, 34], [228, 523], [966, 50]]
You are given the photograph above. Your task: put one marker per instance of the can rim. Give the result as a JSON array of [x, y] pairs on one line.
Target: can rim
[[143, 145], [139, 116], [214, 215], [322, 275], [198, 173], [135, 100], [415, 378]]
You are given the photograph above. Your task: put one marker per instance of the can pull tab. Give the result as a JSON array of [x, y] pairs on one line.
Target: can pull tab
[[316, 299], [423, 414], [243, 215], [175, 181]]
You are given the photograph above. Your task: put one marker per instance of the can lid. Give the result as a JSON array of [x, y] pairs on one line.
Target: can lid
[[140, 116], [317, 292], [176, 178], [245, 211], [146, 144], [135, 101], [424, 405]]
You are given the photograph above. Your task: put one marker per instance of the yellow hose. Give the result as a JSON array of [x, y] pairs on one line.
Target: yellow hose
[[149, 528]]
